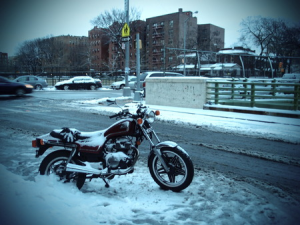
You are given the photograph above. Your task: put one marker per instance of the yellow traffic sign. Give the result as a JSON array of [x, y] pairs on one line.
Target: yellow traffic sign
[[125, 30]]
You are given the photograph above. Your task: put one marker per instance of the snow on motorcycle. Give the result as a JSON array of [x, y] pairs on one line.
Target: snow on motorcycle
[[114, 151]]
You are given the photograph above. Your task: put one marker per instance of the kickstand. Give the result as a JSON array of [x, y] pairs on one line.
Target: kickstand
[[106, 183]]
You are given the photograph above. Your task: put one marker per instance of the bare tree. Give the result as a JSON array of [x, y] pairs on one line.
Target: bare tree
[[28, 56], [113, 21], [256, 30], [270, 35]]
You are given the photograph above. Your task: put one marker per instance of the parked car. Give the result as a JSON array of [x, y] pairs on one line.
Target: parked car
[[80, 82], [8, 87], [145, 75], [98, 83], [121, 84], [291, 76], [37, 82]]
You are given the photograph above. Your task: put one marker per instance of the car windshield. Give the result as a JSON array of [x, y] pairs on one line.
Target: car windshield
[[143, 76]]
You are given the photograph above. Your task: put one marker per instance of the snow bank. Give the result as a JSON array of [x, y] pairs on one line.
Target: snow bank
[[133, 199]]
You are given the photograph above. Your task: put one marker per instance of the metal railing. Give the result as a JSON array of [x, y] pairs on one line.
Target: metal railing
[[261, 94]]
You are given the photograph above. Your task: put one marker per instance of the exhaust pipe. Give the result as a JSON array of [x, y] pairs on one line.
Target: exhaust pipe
[[82, 169]]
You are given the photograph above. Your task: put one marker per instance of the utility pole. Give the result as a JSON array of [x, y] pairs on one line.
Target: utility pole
[[126, 90], [137, 93]]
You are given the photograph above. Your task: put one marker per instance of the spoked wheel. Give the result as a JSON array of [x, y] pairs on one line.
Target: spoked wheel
[[181, 169], [55, 163]]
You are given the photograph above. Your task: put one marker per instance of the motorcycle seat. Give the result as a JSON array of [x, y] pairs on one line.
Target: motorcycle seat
[[70, 135]]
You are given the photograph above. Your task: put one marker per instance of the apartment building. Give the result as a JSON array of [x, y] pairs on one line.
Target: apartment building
[[210, 37], [98, 48], [165, 36], [164, 39], [3, 61]]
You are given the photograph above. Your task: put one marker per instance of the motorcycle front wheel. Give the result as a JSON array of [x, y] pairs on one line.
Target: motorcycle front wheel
[[55, 163], [181, 169]]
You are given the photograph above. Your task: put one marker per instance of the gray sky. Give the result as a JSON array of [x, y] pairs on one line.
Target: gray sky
[[22, 20]]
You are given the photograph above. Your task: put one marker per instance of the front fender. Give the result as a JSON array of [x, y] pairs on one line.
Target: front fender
[[165, 144], [170, 144]]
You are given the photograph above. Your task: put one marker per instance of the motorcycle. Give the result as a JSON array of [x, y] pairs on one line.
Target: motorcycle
[[114, 151]]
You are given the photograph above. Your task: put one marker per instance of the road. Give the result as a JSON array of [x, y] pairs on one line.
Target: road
[[22, 119]]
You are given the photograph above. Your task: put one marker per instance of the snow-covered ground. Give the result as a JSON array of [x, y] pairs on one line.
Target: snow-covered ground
[[135, 198]]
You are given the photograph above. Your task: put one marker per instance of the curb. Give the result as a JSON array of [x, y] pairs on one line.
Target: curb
[[256, 111]]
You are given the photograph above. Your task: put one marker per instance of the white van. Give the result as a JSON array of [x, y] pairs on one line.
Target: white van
[[291, 76]]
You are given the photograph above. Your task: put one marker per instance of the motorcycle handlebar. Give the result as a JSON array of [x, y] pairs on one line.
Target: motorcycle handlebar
[[113, 116]]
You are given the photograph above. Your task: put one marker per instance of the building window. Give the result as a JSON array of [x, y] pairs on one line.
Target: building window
[[171, 23]]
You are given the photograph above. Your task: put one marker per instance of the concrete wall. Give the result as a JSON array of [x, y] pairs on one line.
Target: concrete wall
[[188, 92]]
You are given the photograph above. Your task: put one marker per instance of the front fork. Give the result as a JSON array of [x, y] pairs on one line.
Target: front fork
[[156, 147]]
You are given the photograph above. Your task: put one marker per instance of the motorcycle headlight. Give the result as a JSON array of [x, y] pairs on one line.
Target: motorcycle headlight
[[150, 116]]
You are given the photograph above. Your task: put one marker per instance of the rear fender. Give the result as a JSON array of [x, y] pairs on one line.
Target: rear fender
[[42, 150]]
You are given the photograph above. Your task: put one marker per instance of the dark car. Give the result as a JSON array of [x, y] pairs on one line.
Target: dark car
[[37, 82], [80, 82], [98, 83], [8, 87]]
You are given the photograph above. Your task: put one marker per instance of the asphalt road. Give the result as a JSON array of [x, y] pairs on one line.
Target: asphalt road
[[239, 157]]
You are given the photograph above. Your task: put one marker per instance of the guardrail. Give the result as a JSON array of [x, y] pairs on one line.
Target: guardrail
[[263, 94]]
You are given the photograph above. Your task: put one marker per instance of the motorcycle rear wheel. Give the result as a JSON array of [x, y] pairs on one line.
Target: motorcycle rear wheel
[[181, 171], [55, 163]]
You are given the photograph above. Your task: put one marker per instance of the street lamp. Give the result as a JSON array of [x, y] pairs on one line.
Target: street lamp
[[184, 40]]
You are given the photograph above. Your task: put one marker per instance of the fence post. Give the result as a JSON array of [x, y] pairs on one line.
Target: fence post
[[273, 89], [296, 97], [216, 93], [232, 91], [252, 95]]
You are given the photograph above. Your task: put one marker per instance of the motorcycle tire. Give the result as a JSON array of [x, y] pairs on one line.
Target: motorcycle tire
[[181, 171], [55, 162]]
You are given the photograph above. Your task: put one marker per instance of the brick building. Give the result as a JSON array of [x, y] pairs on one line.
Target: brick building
[[167, 31], [3, 62], [162, 39], [210, 37], [98, 47]]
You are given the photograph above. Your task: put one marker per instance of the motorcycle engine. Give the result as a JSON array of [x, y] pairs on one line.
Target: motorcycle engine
[[121, 154], [118, 160]]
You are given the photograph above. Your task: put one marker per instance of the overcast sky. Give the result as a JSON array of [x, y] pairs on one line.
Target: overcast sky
[[22, 20]]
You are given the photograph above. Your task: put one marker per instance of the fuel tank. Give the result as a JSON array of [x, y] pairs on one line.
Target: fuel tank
[[124, 127], [94, 144]]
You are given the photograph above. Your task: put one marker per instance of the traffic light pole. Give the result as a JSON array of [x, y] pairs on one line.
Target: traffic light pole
[[137, 93], [126, 90]]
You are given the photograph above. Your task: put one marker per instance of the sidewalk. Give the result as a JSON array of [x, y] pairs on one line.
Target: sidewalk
[[257, 111], [240, 113], [256, 122]]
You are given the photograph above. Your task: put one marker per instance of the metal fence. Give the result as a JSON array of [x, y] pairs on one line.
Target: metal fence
[[276, 94]]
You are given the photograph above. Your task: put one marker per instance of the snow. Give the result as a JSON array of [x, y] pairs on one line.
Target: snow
[[135, 198]]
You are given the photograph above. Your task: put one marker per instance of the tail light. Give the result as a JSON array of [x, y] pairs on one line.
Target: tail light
[[37, 143]]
